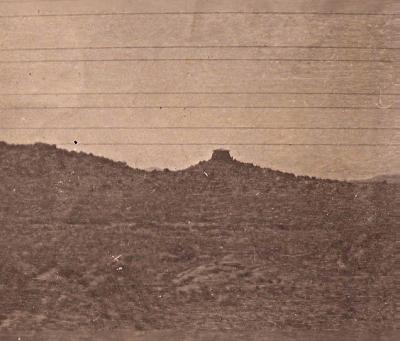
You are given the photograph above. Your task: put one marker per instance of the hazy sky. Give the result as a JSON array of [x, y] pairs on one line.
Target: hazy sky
[[163, 83]]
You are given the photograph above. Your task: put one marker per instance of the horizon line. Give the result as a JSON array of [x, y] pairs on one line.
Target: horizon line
[[60, 147]]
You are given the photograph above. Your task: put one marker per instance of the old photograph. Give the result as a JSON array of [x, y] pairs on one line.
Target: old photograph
[[214, 170]]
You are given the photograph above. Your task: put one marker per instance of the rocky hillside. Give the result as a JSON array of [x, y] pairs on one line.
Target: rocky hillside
[[88, 242]]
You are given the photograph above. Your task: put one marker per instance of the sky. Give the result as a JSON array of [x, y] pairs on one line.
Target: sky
[[310, 87]]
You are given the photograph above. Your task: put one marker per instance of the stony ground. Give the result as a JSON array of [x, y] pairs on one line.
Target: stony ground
[[88, 243]]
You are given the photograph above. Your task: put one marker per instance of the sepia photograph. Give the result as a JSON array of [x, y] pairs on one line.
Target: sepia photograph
[[199, 170]]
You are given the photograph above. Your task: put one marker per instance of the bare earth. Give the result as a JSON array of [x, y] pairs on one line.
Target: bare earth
[[90, 244]]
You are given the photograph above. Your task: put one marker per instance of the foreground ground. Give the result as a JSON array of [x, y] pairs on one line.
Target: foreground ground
[[173, 335], [196, 275]]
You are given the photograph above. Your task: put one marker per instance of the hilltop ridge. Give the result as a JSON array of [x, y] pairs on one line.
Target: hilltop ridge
[[68, 182], [43, 183], [28, 155]]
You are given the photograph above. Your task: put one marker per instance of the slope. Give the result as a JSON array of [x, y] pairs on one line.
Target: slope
[[88, 242]]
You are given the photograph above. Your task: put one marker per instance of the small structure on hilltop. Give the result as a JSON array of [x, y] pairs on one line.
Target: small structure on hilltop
[[222, 155]]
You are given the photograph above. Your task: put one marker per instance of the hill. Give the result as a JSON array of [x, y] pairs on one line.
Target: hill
[[89, 242]]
